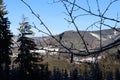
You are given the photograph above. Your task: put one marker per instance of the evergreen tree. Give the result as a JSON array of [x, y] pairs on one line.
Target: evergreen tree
[[96, 73], [85, 73], [64, 74], [109, 76], [117, 74], [25, 57], [56, 74], [5, 42], [74, 74]]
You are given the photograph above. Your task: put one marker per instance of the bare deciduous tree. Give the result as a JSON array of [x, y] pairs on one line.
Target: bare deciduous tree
[[72, 7]]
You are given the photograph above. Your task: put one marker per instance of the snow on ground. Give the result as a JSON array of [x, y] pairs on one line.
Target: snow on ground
[[89, 59], [97, 36]]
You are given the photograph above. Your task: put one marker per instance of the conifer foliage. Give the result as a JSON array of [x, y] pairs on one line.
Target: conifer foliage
[[5, 42], [25, 57]]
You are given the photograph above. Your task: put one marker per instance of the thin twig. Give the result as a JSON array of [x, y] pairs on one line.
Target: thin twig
[[88, 5], [73, 22], [87, 11], [42, 23]]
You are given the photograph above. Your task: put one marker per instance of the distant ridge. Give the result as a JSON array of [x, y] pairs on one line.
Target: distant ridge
[[72, 37], [91, 38]]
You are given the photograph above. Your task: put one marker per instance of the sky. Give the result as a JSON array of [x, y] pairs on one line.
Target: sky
[[53, 15]]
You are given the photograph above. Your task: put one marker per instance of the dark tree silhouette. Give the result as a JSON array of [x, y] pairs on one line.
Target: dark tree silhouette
[[85, 74], [117, 74], [5, 43], [74, 75], [96, 73], [28, 69], [56, 74], [25, 57], [64, 74], [110, 76]]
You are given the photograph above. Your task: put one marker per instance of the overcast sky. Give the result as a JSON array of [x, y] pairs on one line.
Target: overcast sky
[[52, 14]]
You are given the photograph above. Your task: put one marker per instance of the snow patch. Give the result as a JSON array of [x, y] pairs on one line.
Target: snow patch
[[89, 59], [97, 36]]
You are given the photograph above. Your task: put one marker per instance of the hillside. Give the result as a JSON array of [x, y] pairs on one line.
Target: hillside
[[92, 38], [71, 39]]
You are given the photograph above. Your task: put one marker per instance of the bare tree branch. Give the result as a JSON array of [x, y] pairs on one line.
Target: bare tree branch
[[109, 5], [88, 5], [73, 22], [87, 11], [104, 48], [70, 13], [111, 27], [40, 30], [37, 16], [42, 23]]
